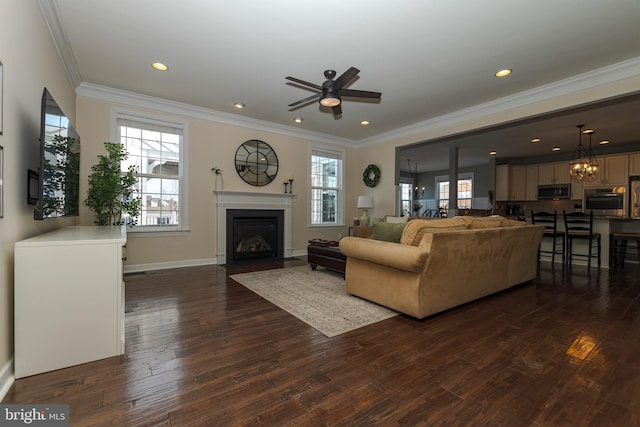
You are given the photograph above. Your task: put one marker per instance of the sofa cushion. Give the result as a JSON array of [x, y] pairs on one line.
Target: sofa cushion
[[388, 232], [396, 219], [477, 224], [506, 222], [415, 229]]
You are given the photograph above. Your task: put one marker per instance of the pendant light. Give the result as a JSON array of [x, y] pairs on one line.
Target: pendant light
[[594, 166], [580, 162]]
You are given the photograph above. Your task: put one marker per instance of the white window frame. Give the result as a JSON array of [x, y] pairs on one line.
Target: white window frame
[[161, 230], [408, 184], [339, 214], [445, 178]]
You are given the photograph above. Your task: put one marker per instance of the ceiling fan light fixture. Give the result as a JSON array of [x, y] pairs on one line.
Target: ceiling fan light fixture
[[330, 100], [159, 66]]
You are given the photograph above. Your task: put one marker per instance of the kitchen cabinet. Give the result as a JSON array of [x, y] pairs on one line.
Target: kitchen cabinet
[[553, 173], [614, 170], [68, 298], [502, 183], [634, 164], [531, 192], [516, 183], [577, 190]]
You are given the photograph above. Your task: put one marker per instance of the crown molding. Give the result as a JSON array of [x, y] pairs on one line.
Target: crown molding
[[103, 93], [602, 76], [53, 20]]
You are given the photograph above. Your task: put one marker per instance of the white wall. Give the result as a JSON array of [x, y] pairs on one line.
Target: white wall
[[210, 143], [30, 62]]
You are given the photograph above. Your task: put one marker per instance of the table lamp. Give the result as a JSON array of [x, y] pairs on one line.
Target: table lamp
[[365, 202]]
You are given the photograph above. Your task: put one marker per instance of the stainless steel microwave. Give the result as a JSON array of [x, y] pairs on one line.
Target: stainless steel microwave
[[606, 201], [554, 192]]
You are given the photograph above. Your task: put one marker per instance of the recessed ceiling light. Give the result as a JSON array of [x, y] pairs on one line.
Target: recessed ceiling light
[[503, 73], [159, 66], [555, 149], [604, 142], [493, 153], [364, 122], [534, 140], [239, 105], [298, 119]]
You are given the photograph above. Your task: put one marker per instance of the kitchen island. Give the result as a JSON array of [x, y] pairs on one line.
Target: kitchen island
[[605, 225]]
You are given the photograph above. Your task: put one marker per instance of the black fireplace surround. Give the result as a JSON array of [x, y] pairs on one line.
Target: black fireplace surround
[[254, 234]]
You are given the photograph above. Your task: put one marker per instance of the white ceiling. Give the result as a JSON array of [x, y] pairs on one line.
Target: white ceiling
[[428, 58]]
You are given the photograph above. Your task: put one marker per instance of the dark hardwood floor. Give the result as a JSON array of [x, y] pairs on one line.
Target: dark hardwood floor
[[202, 350]]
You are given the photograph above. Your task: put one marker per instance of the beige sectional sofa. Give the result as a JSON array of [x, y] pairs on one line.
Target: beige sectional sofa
[[441, 263]]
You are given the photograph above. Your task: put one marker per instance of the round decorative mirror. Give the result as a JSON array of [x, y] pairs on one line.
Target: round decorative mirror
[[256, 162]]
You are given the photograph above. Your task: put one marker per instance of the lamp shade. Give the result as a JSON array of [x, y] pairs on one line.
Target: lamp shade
[[365, 202]]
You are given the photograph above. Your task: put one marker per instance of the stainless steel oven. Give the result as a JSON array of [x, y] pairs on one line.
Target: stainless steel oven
[[606, 201]]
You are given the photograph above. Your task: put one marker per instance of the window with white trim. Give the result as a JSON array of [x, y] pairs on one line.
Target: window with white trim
[[156, 149], [464, 192], [326, 187], [406, 199]]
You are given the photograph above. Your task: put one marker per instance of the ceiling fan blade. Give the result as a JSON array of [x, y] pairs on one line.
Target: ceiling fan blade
[[345, 78], [307, 99], [360, 93], [302, 82], [337, 110]]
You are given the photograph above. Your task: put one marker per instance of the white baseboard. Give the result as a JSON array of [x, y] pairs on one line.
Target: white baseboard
[[165, 265], [139, 268], [6, 378]]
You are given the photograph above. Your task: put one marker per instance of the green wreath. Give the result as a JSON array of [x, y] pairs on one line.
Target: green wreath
[[371, 176]]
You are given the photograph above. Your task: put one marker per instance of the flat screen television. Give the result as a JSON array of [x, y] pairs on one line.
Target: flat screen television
[[58, 192]]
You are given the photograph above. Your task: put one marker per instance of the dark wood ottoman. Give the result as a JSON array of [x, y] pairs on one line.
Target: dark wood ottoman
[[325, 253]]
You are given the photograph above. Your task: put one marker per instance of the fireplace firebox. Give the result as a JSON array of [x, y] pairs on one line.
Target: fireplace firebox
[[254, 234]]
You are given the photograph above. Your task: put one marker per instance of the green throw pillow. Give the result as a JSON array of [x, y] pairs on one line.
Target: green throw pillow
[[388, 232]]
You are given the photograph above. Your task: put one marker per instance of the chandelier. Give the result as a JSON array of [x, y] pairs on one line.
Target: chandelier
[[583, 164], [416, 191], [594, 166]]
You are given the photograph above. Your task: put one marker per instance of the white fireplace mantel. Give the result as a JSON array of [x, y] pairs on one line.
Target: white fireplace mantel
[[246, 200]]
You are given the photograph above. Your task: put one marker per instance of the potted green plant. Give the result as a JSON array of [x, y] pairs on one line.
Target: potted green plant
[[416, 208], [111, 191]]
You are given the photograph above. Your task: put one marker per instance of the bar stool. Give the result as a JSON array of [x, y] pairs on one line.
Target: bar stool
[[619, 246], [550, 222], [579, 226]]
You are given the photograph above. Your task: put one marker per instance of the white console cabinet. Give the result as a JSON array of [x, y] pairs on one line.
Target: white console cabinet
[[69, 298]]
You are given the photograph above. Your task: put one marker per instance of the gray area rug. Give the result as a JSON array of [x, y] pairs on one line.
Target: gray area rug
[[318, 298]]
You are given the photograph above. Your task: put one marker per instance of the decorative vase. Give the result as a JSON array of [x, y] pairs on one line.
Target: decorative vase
[[219, 183]]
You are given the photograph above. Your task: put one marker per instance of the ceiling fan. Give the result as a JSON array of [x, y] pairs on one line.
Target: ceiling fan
[[332, 90]]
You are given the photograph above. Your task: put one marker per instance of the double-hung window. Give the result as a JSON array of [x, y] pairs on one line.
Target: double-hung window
[[464, 191], [406, 199], [326, 187], [156, 149]]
